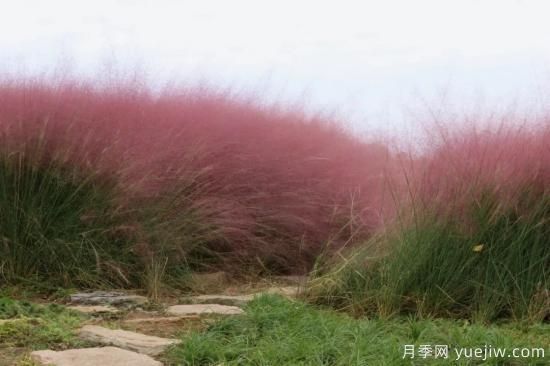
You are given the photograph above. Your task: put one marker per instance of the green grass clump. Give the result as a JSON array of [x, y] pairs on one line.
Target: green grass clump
[[276, 331], [57, 225], [23, 324], [486, 261], [64, 224]]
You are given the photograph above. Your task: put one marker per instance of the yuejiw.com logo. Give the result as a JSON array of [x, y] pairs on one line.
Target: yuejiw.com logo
[[483, 353], [426, 351]]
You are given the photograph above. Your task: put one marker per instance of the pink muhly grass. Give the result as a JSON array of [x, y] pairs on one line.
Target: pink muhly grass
[[276, 185], [458, 164]]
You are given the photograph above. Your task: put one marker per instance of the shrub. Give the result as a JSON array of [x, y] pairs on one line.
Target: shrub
[[472, 242], [177, 179], [57, 225]]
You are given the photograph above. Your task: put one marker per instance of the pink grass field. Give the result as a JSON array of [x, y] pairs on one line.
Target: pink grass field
[[279, 185], [505, 159]]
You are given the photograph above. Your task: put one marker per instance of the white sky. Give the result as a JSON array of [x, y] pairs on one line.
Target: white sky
[[369, 59]]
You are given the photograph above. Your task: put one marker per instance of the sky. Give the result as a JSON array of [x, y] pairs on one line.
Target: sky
[[371, 61]]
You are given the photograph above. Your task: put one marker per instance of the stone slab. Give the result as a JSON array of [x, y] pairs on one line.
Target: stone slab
[[93, 309], [161, 320], [107, 298], [288, 291], [141, 343], [202, 309], [235, 300], [104, 356]]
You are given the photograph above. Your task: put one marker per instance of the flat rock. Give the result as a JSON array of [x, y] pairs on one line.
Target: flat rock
[[236, 300], [104, 356], [107, 298], [141, 343], [288, 291], [201, 309], [160, 320], [93, 309]]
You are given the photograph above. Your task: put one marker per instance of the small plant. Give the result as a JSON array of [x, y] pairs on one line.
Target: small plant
[[154, 277]]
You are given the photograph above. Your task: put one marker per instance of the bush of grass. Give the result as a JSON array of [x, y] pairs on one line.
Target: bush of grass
[[473, 242], [56, 225], [184, 178], [276, 331]]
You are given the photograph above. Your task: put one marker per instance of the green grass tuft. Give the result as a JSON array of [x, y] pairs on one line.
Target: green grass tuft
[[489, 260], [275, 331], [56, 226]]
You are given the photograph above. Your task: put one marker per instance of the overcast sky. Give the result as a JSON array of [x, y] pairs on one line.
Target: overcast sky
[[371, 60]]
